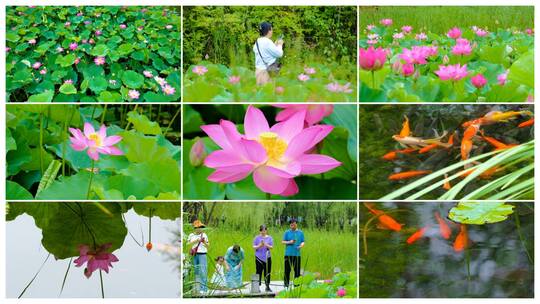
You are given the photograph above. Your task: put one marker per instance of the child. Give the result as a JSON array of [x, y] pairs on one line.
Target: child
[[218, 278]]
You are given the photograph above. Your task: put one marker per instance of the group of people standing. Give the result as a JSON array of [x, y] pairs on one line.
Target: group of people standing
[[228, 271]]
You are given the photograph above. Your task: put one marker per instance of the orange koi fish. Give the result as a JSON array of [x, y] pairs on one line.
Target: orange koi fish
[[526, 123], [451, 139], [444, 229], [386, 221], [427, 148], [471, 131], [406, 139], [497, 116], [417, 235], [484, 175], [407, 174], [446, 185], [393, 154], [462, 239], [466, 147], [405, 129], [497, 144]]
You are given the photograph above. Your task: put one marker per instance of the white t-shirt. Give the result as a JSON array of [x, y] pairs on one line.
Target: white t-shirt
[[197, 237], [269, 51]]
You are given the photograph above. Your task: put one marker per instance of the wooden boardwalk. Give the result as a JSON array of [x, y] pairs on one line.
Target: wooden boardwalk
[[244, 292]]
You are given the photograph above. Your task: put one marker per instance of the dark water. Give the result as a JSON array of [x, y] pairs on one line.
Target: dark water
[[138, 273], [379, 122], [498, 263]]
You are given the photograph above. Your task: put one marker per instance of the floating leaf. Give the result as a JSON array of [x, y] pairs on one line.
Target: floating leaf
[[479, 213]]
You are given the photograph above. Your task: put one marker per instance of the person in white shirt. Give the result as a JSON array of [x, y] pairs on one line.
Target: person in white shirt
[[198, 243], [266, 53]]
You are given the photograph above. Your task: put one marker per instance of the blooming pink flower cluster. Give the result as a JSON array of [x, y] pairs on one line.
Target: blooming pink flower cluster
[[303, 77], [273, 155], [94, 260], [337, 88], [165, 87], [200, 70], [372, 59], [100, 60], [134, 94], [479, 81]]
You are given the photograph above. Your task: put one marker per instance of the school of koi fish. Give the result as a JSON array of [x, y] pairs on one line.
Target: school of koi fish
[[385, 221], [472, 132]]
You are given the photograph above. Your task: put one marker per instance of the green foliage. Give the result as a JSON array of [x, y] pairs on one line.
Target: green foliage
[[143, 45]]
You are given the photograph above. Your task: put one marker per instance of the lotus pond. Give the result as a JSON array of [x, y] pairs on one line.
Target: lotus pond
[[89, 53], [93, 250], [447, 53], [456, 250], [86, 152], [446, 152]]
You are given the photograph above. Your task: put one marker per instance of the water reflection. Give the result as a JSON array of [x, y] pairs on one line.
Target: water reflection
[[138, 273], [495, 264]]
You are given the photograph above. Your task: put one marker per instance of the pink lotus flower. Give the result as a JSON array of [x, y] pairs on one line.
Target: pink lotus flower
[[123, 26], [197, 154], [161, 81], [274, 155], [480, 32], [8, 49], [501, 78], [234, 79], [200, 70], [43, 71], [372, 59], [99, 60], [112, 82], [373, 36], [452, 72], [69, 81], [60, 49], [98, 33], [398, 35], [84, 41], [407, 69], [416, 55], [479, 81], [337, 88], [77, 60], [168, 26], [529, 31], [371, 42], [147, 74], [462, 47], [79, 14], [341, 292], [406, 29], [36, 65], [280, 90], [387, 22], [310, 71], [96, 142], [134, 94], [315, 113], [421, 36], [98, 259], [32, 41], [168, 90], [73, 46], [454, 33], [67, 24], [91, 41], [303, 77], [369, 27]]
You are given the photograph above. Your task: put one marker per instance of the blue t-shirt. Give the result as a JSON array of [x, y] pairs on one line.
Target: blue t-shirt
[[292, 249]]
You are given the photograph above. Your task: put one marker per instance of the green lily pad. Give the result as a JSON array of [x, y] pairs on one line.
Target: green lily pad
[[479, 213]]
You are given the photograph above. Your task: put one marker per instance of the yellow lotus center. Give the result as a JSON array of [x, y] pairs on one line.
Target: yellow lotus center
[[96, 138], [274, 146]]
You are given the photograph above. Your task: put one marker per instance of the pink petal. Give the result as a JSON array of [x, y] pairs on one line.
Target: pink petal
[[219, 176], [324, 131], [102, 131], [268, 182], [81, 260], [254, 150], [233, 136], [77, 134], [110, 150], [292, 126], [223, 158], [77, 144], [301, 143], [291, 189], [215, 132], [285, 114], [111, 140], [315, 115], [255, 123], [88, 129], [317, 163], [93, 154]]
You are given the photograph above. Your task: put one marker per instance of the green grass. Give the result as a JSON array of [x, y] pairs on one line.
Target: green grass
[[440, 19], [322, 252]]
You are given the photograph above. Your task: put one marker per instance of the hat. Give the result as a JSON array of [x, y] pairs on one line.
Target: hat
[[293, 220], [198, 224]]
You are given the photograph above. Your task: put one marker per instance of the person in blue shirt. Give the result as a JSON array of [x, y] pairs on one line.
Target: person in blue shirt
[[294, 241]]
